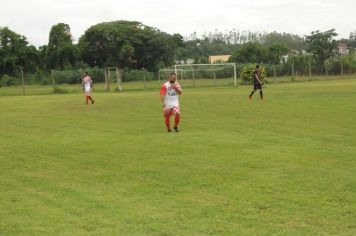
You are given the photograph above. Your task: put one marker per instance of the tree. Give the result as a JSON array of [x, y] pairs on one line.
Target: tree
[[351, 41], [201, 49], [15, 54], [60, 49], [291, 41], [347, 63], [250, 53], [353, 35], [128, 44], [302, 64], [29, 59], [322, 45], [275, 53]]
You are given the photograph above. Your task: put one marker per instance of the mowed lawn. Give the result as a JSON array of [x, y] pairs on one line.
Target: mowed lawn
[[284, 166]]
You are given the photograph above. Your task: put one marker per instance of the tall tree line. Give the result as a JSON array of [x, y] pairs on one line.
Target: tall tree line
[[125, 44], [133, 45]]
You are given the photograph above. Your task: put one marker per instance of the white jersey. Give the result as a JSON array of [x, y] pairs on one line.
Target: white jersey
[[87, 83], [170, 95]]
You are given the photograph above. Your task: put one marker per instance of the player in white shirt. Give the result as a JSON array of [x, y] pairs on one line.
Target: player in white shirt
[[87, 83], [169, 98]]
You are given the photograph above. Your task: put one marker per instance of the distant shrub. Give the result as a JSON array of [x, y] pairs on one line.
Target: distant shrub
[[137, 75], [67, 76], [6, 80], [38, 77], [247, 73], [59, 91], [96, 73]]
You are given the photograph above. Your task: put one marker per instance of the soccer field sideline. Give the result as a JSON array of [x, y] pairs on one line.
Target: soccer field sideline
[[280, 166]]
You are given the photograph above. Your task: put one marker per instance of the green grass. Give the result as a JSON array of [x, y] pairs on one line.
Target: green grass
[[283, 166]]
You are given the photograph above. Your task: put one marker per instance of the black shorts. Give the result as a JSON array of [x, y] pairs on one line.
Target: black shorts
[[257, 85]]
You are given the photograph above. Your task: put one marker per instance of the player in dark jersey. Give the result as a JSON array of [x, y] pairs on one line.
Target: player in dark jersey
[[257, 82]]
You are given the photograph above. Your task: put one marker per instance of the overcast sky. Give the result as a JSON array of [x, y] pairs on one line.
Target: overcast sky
[[34, 18]]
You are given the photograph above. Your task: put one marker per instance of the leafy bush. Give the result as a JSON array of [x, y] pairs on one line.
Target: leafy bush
[[6, 80], [137, 75], [74, 76], [59, 91], [281, 69], [38, 77], [247, 72], [67, 76], [97, 74]]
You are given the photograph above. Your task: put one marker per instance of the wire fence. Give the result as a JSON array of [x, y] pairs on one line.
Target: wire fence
[[113, 79], [154, 85]]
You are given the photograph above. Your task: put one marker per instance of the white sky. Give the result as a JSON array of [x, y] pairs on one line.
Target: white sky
[[34, 18]]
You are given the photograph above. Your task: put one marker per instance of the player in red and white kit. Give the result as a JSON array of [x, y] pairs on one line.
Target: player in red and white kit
[[169, 98], [87, 83]]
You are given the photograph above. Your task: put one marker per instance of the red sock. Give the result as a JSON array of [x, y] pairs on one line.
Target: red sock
[[168, 123], [86, 99], [176, 120]]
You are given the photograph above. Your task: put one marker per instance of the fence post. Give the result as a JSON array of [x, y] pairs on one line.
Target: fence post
[[107, 79], [293, 70], [214, 78], [193, 76], [118, 77], [235, 75], [23, 83], [53, 84], [144, 78]]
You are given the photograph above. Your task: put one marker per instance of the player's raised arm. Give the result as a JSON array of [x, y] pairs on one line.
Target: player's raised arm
[[178, 88]]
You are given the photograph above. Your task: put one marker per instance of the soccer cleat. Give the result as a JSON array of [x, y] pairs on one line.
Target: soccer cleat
[[169, 130], [92, 101], [176, 129]]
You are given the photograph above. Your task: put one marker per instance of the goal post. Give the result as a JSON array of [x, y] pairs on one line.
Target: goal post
[[196, 72], [113, 74]]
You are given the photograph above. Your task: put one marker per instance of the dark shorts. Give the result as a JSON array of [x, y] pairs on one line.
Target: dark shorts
[[257, 85]]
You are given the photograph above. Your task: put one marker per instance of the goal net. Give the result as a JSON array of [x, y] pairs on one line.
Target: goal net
[[199, 75]]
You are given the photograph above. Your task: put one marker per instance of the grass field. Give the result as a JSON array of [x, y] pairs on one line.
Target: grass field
[[284, 166]]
